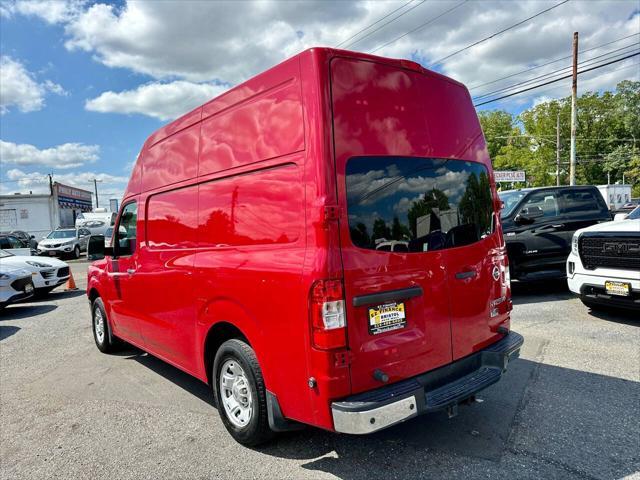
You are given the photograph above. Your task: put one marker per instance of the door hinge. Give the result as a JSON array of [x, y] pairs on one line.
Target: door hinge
[[331, 212]]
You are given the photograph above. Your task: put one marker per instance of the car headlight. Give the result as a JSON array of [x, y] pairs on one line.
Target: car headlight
[[574, 244], [37, 264]]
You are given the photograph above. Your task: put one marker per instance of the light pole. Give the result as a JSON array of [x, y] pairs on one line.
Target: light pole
[[95, 187]]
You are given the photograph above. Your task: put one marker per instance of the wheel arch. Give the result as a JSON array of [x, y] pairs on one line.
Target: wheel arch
[[219, 333]]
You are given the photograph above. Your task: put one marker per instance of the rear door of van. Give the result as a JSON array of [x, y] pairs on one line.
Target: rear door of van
[[412, 169]]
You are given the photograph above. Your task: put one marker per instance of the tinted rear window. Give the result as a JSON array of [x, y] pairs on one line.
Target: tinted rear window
[[582, 201], [427, 204]]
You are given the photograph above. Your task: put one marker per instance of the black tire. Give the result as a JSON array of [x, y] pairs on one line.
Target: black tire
[[107, 342], [76, 252], [257, 430]]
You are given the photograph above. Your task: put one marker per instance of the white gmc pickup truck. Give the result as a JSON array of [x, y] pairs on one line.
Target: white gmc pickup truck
[[604, 264]]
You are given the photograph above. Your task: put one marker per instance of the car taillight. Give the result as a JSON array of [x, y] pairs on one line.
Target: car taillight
[[328, 321]]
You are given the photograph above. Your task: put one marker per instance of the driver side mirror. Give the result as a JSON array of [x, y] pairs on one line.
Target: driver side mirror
[[96, 249], [529, 214]]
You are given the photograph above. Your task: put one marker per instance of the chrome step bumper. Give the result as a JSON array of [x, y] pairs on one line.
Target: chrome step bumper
[[439, 389]]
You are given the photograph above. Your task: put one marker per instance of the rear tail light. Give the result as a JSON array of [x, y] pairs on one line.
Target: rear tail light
[[328, 321]]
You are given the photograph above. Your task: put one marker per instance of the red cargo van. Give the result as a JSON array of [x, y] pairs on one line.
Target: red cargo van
[[321, 245]]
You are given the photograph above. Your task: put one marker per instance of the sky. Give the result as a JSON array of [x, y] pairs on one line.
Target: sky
[[84, 83]]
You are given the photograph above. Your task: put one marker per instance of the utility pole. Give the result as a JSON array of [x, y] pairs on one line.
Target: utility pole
[[574, 113], [95, 187], [50, 184], [558, 149]]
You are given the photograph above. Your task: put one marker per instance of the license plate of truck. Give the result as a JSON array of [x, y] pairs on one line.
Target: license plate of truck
[[617, 288], [387, 317]]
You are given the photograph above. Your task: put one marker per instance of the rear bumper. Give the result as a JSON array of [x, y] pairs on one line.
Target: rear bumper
[[436, 390]]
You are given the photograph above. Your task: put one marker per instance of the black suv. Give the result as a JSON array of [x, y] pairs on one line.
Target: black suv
[[538, 224]]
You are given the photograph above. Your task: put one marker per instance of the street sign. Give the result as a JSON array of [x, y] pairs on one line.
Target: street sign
[[509, 176]]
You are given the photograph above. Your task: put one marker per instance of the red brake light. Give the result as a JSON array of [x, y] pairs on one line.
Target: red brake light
[[328, 321]]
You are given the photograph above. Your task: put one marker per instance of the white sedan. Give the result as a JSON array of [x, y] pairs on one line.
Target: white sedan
[[15, 285], [46, 273]]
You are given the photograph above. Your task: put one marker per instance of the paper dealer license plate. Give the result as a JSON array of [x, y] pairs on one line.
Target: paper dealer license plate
[[387, 317], [617, 288]]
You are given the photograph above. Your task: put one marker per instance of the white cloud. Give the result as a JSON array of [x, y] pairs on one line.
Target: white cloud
[[227, 42], [160, 100], [68, 155], [20, 89], [51, 11]]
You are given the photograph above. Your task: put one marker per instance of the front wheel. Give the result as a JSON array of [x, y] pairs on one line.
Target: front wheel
[[240, 393], [76, 252], [105, 342]]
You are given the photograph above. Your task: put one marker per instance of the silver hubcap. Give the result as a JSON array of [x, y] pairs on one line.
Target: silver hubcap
[[236, 393], [98, 325]]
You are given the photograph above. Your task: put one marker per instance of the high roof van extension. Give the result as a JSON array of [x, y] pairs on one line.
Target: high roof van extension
[[321, 245]]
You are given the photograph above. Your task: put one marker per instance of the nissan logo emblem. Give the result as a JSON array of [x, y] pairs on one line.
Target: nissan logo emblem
[[496, 273]]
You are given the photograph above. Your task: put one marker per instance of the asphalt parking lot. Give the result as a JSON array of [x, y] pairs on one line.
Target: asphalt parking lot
[[569, 408]]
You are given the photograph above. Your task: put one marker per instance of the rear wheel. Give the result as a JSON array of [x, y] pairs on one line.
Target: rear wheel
[[106, 343], [240, 393]]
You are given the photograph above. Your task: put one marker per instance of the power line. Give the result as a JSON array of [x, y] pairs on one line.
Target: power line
[[473, 87], [374, 23], [428, 22], [498, 33], [634, 65], [610, 55], [384, 24], [556, 80]]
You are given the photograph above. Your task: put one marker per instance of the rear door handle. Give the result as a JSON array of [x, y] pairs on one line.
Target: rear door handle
[[463, 275]]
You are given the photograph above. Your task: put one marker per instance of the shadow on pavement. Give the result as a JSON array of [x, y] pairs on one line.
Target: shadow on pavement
[[173, 374], [537, 292], [7, 331], [626, 317], [571, 422], [577, 423], [58, 295], [18, 311]]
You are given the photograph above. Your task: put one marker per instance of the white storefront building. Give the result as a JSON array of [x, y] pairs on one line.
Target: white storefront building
[[38, 214]]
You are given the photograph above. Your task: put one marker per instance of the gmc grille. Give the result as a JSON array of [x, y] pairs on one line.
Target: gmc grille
[[621, 252]]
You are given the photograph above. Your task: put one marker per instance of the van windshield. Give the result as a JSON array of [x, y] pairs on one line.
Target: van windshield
[[402, 204]]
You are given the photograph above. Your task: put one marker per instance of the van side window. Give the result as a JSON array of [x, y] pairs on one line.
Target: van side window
[[412, 204], [126, 234], [543, 201]]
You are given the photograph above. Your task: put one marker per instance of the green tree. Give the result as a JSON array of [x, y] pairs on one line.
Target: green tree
[[381, 229], [497, 126]]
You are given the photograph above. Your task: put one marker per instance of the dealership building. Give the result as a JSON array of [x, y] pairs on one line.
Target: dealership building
[[38, 214]]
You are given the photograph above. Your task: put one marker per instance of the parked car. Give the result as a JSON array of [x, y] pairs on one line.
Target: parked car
[[538, 224], [96, 222], [26, 238], [253, 222], [604, 265], [64, 242], [47, 273], [108, 234], [14, 245], [15, 285]]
